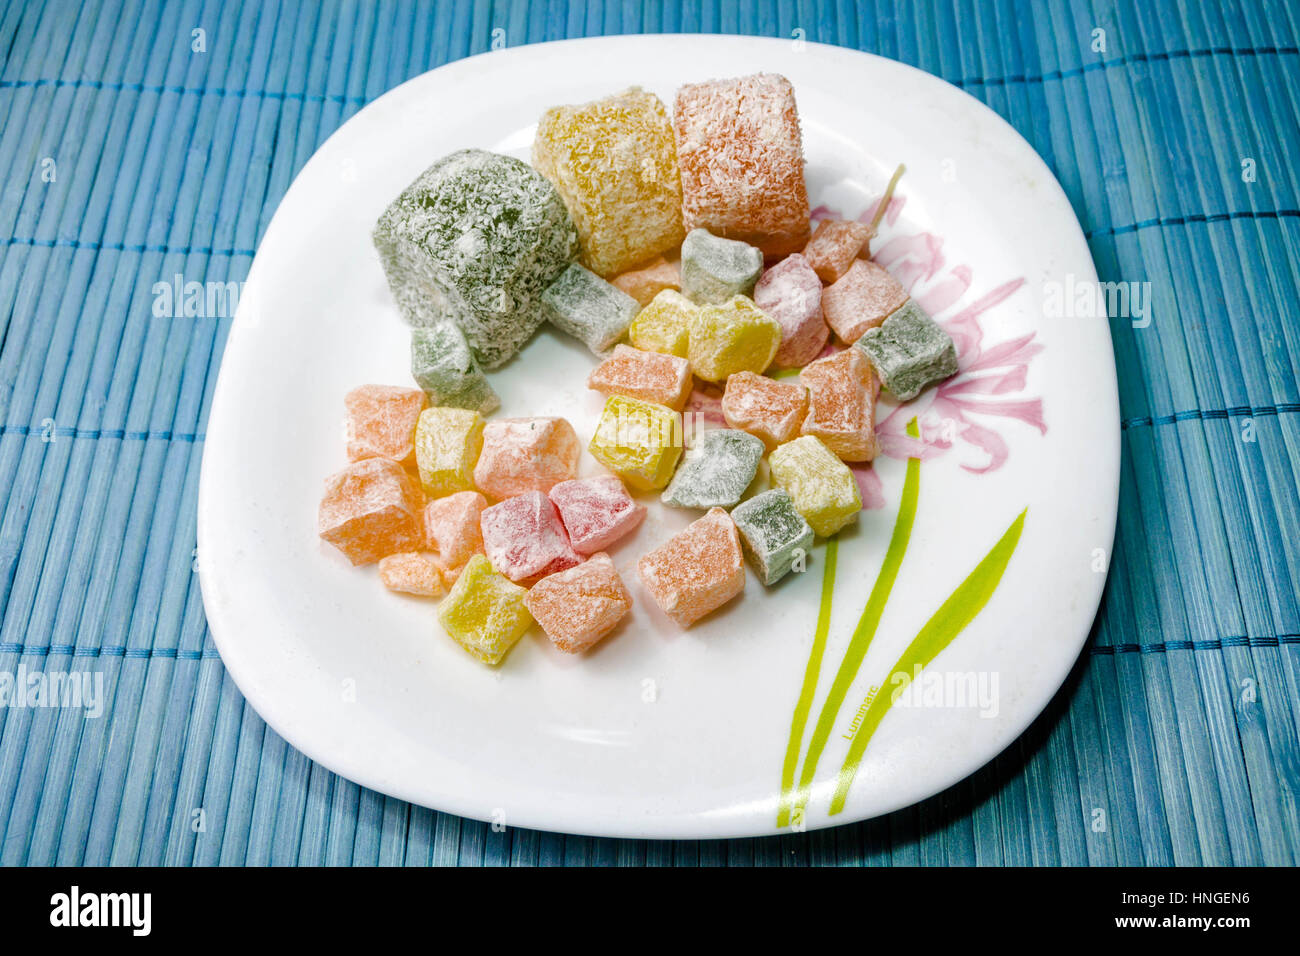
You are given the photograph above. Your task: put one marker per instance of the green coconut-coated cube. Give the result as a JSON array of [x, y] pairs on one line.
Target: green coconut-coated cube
[[476, 239], [909, 351]]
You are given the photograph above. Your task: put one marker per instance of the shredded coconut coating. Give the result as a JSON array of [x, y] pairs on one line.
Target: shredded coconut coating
[[371, 509], [381, 422], [697, 570], [615, 163], [649, 376], [577, 607], [770, 410], [741, 158], [476, 239], [842, 404], [860, 300]]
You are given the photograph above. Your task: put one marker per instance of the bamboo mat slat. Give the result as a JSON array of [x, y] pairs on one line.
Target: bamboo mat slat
[[1176, 738]]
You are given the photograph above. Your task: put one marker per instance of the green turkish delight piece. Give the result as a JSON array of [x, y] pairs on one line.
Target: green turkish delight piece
[[476, 239]]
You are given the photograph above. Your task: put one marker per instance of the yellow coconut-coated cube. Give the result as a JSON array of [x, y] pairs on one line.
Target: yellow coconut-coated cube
[[664, 325], [639, 441], [484, 612], [733, 336], [447, 443], [615, 163], [821, 486]]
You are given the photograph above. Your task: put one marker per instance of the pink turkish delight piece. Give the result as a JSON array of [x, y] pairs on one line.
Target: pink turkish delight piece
[[791, 293], [596, 511], [525, 539]]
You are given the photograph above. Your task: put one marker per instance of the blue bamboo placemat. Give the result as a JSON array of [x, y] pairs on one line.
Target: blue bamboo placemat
[[142, 139]]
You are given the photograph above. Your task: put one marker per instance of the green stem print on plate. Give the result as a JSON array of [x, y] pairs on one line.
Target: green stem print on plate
[[950, 620], [802, 707], [864, 632]]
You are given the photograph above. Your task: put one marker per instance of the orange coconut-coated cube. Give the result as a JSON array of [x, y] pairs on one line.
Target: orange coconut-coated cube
[[647, 282], [697, 570], [420, 573], [577, 607], [526, 454], [381, 422], [764, 407], [451, 525], [371, 509], [842, 404], [861, 299], [650, 376], [741, 159], [834, 246]]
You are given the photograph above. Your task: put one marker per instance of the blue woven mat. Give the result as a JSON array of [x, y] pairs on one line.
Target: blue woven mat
[[128, 155]]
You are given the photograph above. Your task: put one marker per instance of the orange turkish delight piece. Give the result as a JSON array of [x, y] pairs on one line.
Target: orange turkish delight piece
[[381, 422], [371, 509], [697, 570]]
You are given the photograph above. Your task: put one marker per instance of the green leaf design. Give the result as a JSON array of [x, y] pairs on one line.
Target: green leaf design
[[804, 705], [952, 617], [867, 624]]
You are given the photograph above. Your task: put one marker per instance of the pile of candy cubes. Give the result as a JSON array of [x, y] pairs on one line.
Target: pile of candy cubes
[[678, 248]]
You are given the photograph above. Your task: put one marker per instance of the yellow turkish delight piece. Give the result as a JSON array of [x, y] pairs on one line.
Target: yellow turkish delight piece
[[447, 443], [664, 324], [639, 441], [730, 337], [614, 162], [821, 486], [485, 612]]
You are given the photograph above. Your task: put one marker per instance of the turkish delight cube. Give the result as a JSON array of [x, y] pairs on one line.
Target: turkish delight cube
[[381, 422], [578, 607], [524, 538], [371, 509], [909, 351], [697, 570], [526, 454], [596, 512], [776, 537], [587, 307], [443, 365], [484, 612], [716, 471], [649, 376]]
